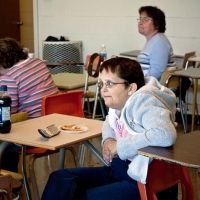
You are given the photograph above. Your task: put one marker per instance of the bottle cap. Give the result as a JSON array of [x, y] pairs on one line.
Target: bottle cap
[[3, 87]]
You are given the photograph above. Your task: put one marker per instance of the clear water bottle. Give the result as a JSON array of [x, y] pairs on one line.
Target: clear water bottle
[[5, 110], [103, 51]]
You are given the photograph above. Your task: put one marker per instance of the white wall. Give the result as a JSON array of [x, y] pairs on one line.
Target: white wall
[[113, 22]]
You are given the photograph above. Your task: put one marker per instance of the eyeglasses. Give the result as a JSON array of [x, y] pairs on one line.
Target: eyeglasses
[[109, 84], [144, 20]]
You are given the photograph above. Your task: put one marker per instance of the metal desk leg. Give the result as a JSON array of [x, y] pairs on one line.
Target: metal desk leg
[[24, 172], [61, 158], [194, 102], [95, 152], [32, 177], [181, 108]]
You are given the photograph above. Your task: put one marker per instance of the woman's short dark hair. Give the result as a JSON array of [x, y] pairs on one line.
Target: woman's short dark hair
[[126, 69], [11, 52], [157, 15]]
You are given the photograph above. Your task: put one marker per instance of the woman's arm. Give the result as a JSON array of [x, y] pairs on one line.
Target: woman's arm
[[153, 122], [109, 148]]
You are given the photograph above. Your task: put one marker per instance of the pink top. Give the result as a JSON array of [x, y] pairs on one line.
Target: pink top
[[28, 82], [120, 130]]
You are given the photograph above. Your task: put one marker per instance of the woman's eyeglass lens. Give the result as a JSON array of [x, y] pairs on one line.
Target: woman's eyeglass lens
[[144, 20], [109, 84]]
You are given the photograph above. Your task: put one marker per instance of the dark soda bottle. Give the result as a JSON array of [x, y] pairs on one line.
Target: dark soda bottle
[[5, 110]]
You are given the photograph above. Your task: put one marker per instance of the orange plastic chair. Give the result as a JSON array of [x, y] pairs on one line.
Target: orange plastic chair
[[69, 103], [162, 175]]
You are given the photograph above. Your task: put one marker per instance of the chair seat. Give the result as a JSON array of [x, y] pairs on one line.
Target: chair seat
[[16, 186], [36, 150], [15, 176], [90, 94], [16, 180]]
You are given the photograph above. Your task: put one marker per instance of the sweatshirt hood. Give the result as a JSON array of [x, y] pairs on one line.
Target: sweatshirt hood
[[160, 92]]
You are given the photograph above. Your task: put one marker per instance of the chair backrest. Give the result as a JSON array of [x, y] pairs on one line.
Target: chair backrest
[[169, 80], [18, 117], [92, 64], [163, 175], [185, 59], [69, 103]]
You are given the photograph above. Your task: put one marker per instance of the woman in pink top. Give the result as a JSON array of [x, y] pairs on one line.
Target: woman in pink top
[[28, 79]]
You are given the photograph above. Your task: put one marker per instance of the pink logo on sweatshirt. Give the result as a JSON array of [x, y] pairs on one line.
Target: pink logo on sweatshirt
[[120, 130]]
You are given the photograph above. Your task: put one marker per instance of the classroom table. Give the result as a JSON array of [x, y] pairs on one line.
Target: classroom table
[[26, 134], [184, 152], [194, 59], [71, 81], [193, 73], [56, 64], [135, 54]]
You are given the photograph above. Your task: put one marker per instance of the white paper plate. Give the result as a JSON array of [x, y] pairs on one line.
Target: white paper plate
[[83, 129]]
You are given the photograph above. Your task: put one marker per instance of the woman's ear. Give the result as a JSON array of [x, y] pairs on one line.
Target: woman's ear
[[132, 89]]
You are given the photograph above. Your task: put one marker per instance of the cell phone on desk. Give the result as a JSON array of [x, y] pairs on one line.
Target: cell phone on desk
[[49, 131]]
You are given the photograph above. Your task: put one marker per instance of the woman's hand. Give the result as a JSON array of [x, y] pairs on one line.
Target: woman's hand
[[109, 150]]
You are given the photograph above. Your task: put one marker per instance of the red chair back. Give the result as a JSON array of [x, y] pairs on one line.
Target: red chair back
[[162, 175], [69, 103]]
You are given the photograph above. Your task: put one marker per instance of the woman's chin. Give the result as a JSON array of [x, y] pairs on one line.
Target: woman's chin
[[107, 103]]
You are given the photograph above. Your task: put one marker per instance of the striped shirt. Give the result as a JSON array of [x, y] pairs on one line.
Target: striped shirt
[[157, 56], [28, 82]]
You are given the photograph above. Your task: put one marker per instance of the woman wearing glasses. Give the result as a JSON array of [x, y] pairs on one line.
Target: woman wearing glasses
[[140, 115], [157, 53]]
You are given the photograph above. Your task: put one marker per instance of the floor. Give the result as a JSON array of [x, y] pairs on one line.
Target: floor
[[43, 169]]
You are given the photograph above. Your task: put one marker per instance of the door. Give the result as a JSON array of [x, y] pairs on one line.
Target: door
[[9, 19]]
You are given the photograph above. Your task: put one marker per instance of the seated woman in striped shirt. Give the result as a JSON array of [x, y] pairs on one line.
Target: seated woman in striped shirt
[[28, 79]]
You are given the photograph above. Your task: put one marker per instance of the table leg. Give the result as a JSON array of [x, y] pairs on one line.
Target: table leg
[[24, 172], [194, 102], [89, 146], [95, 152], [61, 158], [181, 107]]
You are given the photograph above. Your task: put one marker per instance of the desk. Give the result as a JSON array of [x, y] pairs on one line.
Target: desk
[[184, 152], [193, 73], [26, 134], [71, 81], [56, 64], [135, 53], [195, 59]]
